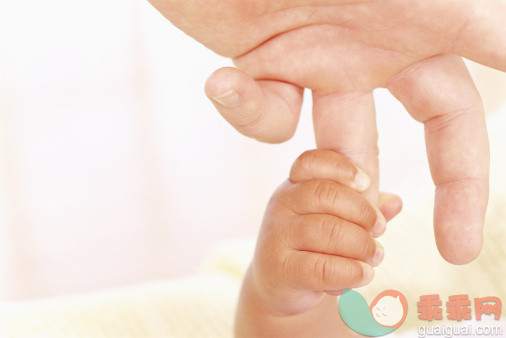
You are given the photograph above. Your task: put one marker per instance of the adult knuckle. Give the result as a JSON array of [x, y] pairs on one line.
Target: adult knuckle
[[441, 122], [249, 123]]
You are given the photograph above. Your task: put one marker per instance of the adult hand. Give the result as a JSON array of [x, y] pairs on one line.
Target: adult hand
[[342, 50]]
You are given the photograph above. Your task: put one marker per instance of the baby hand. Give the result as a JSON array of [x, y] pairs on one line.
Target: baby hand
[[317, 236]]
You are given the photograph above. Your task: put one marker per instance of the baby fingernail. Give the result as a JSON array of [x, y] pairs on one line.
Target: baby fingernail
[[362, 180], [368, 273], [379, 228], [378, 255], [229, 99]]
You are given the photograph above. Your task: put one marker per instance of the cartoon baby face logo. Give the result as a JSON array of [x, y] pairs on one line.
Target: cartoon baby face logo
[[386, 312], [389, 308]]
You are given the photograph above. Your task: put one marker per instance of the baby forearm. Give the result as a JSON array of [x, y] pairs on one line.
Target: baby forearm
[[255, 319]]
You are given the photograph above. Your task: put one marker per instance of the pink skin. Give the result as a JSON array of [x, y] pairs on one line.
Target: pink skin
[[342, 50]]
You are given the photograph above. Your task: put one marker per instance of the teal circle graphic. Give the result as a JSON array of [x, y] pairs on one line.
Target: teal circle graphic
[[355, 313]]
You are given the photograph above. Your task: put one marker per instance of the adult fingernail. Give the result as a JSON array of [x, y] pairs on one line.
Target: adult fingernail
[[229, 99], [362, 180], [378, 255]]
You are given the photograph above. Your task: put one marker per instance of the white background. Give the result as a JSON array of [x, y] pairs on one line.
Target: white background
[[114, 167]]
